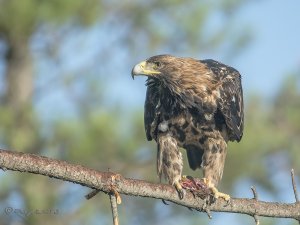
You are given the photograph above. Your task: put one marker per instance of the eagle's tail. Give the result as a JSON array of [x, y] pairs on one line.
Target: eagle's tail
[[194, 155]]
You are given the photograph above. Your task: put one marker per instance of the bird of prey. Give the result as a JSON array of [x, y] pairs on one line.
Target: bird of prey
[[196, 105]]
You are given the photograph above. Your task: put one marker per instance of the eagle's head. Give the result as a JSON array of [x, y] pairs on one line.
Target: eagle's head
[[186, 80], [156, 67], [176, 73]]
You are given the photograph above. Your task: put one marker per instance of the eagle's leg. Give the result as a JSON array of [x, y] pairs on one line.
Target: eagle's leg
[[169, 161], [213, 164]]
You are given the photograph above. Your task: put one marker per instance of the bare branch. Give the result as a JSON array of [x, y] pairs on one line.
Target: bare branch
[[208, 213], [92, 194], [294, 185], [105, 181], [255, 195], [256, 219], [114, 209], [254, 192]]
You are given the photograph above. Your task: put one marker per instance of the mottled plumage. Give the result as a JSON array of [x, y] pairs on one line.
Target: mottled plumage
[[193, 104]]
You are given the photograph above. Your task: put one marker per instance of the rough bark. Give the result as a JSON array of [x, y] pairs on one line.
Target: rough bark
[[108, 182]]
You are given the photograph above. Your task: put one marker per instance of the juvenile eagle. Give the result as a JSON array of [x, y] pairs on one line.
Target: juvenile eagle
[[196, 105]]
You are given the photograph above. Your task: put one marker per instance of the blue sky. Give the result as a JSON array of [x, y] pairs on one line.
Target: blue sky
[[273, 53], [275, 50]]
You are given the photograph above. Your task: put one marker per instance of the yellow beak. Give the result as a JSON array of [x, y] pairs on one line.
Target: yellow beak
[[142, 69]]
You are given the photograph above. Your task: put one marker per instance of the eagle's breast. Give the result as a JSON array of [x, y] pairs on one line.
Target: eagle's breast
[[187, 126]]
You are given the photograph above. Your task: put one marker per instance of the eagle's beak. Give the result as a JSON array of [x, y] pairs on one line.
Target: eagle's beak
[[143, 68]]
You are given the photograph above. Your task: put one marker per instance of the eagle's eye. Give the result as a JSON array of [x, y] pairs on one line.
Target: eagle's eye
[[156, 65]]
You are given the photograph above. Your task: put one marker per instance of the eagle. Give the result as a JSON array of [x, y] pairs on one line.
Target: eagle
[[196, 105]]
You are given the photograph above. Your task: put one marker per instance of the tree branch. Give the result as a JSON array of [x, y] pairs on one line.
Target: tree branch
[[294, 186], [109, 183], [114, 209], [255, 195]]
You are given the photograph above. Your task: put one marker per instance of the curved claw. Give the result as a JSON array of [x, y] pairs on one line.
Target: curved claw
[[164, 201], [218, 194], [179, 189], [181, 193], [215, 191]]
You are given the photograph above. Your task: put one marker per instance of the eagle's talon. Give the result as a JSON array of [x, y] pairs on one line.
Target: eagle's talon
[[180, 190], [216, 194], [181, 194]]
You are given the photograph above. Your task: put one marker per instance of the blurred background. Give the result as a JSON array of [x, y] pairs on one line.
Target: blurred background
[[66, 93]]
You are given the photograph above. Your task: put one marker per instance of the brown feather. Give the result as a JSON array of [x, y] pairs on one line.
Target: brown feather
[[196, 105]]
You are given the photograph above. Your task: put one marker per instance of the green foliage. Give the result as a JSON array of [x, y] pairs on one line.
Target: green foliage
[[269, 129], [286, 117], [19, 131], [104, 137], [97, 135], [180, 25], [19, 19]]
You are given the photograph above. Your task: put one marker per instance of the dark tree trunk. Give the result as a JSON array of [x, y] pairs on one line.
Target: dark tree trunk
[[22, 132], [19, 75]]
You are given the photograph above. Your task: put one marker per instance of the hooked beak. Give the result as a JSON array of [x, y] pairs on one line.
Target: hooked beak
[[142, 68]]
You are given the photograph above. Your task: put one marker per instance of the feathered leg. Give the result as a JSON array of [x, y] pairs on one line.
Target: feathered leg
[[213, 161], [169, 161]]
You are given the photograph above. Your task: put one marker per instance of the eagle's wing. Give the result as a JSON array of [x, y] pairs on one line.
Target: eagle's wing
[[150, 109], [230, 103]]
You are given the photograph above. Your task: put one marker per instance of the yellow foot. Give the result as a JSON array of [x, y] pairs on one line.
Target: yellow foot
[[179, 189], [218, 194], [215, 191]]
